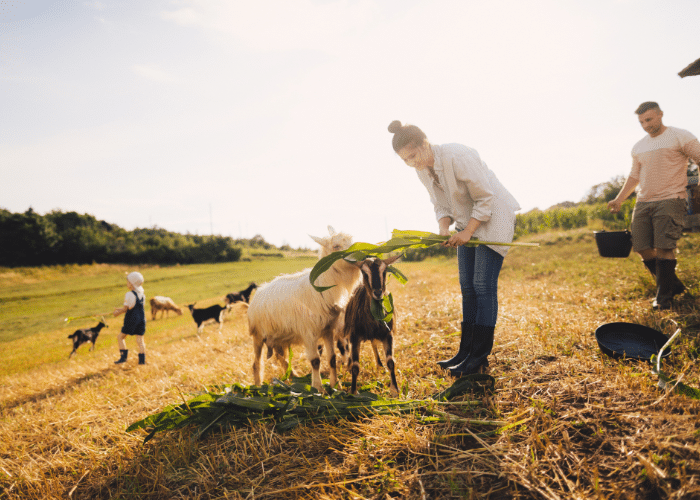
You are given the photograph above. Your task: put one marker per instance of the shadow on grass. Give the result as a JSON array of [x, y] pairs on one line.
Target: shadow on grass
[[56, 391]]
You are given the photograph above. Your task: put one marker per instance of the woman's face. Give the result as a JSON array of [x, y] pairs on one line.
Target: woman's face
[[418, 157]]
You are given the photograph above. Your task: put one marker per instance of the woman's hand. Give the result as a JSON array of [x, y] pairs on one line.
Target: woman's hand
[[459, 239]]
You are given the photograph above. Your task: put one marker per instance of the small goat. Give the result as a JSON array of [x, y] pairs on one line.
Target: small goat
[[200, 316], [242, 296], [288, 311], [86, 335], [165, 305], [361, 326]]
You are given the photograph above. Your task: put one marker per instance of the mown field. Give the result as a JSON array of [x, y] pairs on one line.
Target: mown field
[[573, 423]]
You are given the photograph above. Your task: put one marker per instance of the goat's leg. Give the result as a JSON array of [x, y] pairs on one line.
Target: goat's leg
[[344, 350], [258, 362], [355, 359], [328, 341], [377, 361], [388, 341], [221, 319], [73, 352], [282, 358], [315, 360]]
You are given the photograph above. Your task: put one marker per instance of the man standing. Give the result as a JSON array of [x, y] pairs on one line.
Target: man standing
[[659, 167]]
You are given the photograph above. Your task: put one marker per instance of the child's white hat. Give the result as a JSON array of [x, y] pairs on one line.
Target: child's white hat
[[135, 278]]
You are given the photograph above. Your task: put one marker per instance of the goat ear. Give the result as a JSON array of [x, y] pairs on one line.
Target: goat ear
[[393, 259], [331, 231], [357, 263], [317, 239]]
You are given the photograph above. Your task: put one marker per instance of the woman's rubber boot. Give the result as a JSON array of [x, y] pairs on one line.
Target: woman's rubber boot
[[465, 347], [482, 343], [124, 353], [142, 358], [678, 286], [667, 283]]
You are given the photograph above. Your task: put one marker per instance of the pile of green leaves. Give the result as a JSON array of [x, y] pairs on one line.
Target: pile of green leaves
[[289, 405]]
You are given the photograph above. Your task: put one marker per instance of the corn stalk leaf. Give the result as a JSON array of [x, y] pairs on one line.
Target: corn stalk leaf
[[289, 405], [400, 240]]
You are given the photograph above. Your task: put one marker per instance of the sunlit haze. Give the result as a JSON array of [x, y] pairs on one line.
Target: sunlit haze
[[270, 117]]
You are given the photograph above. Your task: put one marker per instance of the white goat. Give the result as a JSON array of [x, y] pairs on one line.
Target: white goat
[[289, 311]]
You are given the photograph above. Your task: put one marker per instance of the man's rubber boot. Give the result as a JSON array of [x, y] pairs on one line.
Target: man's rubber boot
[[678, 286], [665, 272]]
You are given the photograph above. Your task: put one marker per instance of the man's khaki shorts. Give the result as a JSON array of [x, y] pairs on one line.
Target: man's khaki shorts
[[657, 224]]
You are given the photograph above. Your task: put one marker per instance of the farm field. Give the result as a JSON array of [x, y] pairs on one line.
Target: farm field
[[574, 423]]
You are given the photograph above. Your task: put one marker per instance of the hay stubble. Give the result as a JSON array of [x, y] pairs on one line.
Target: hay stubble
[[580, 425]]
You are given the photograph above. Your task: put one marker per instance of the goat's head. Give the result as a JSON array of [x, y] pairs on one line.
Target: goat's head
[[191, 307], [332, 243], [374, 275]]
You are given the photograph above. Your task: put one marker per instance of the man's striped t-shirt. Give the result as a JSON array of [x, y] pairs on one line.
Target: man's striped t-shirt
[[660, 164]]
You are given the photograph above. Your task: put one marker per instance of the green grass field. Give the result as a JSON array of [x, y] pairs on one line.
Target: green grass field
[[34, 303]]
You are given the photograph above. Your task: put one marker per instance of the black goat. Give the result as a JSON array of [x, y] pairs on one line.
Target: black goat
[[242, 296], [85, 335], [361, 326], [200, 316]]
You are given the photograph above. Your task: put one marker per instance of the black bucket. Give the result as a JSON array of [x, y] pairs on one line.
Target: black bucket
[[630, 340], [613, 243]]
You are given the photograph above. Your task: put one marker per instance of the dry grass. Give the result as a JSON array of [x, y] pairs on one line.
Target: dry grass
[[580, 424]]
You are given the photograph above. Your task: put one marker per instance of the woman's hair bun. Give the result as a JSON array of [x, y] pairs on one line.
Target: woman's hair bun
[[394, 126]]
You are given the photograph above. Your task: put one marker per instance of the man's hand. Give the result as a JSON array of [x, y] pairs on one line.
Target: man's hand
[[615, 205]]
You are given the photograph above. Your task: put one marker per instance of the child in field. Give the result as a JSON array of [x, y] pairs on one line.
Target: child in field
[[134, 319]]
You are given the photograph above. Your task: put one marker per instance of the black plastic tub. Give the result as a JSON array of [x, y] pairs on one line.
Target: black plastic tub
[[630, 340], [613, 243]]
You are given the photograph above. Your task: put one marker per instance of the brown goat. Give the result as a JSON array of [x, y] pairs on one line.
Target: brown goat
[[361, 326], [163, 304]]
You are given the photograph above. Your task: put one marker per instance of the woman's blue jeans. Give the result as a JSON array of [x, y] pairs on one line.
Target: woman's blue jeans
[[479, 267]]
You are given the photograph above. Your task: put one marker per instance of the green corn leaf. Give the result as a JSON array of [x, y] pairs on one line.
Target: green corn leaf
[[289, 405], [398, 274], [383, 310], [400, 240]]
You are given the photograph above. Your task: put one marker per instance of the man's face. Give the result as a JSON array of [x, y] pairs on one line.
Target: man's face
[[651, 121]]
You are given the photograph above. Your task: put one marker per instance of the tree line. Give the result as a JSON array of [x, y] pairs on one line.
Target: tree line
[[30, 239]]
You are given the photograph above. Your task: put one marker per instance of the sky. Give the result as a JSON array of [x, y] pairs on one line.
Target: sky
[[263, 117]]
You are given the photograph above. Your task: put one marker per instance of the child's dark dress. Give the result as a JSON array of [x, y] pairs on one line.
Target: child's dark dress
[[135, 318]]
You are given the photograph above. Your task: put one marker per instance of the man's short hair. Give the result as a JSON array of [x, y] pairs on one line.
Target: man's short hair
[[646, 106]]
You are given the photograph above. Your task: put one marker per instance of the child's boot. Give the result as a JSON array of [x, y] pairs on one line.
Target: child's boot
[[142, 358], [124, 353]]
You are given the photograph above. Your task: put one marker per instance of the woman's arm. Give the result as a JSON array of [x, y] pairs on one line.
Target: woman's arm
[[444, 225]]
